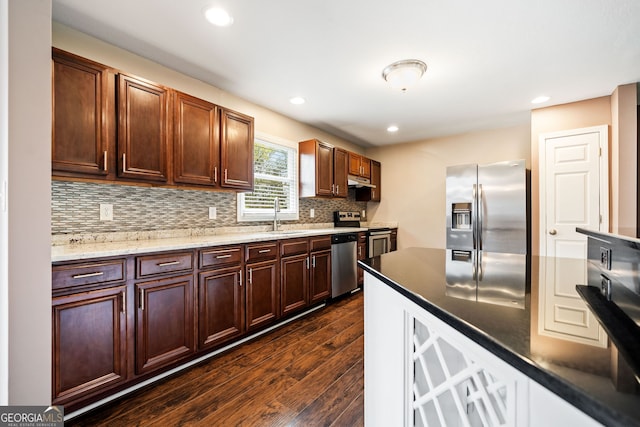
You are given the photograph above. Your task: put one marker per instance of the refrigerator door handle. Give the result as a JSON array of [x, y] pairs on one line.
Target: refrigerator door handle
[[480, 216], [480, 269], [474, 215]]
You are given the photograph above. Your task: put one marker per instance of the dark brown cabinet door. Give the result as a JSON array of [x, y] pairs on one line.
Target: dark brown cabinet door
[[376, 193], [262, 293], [359, 165], [294, 282], [324, 169], [164, 322], [195, 140], [143, 129], [236, 144], [221, 306], [81, 125], [340, 166], [320, 283], [361, 254], [89, 343], [316, 168]]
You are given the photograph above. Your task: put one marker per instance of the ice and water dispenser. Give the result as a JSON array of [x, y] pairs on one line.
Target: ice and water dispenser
[[461, 216]]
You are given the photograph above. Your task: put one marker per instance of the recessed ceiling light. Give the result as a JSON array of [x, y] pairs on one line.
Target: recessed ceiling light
[[297, 100], [218, 16], [393, 128], [540, 99]]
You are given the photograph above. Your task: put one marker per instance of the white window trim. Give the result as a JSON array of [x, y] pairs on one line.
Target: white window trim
[[243, 216]]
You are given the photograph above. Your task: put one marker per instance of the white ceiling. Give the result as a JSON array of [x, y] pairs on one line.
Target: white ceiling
[[486, 59]]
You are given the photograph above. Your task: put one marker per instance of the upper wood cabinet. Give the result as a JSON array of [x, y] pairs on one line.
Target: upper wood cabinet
[[196, 144], [316, 168], [340, 166], [236, 141], [143, 129], [359, 165], [367, 194], [163, 136], [81, 128]]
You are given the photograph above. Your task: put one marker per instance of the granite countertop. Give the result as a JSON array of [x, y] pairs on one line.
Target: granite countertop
[[89, 247], [579, 373]]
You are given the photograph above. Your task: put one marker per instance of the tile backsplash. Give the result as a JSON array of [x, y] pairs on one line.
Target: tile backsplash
[[75, 208]]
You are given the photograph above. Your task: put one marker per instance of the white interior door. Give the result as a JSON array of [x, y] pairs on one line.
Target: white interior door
[[573, 193], [573, 189]]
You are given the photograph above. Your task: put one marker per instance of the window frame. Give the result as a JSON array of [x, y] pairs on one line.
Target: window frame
[[293, 213]]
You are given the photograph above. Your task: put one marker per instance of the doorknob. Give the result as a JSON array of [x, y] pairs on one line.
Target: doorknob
[[553, 232]]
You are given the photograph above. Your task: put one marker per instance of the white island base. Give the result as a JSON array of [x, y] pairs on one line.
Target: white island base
[[419, 371]]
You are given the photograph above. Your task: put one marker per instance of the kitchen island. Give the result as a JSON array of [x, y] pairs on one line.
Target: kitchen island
[[438, 357]]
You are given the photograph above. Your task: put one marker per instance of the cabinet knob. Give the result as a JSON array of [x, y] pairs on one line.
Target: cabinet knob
[[553, 232]]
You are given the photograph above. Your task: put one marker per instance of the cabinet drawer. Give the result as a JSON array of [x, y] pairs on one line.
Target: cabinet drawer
[[320, 243], [88, 273], [262, 251], [294, 246], [362, 237], [152, 265], [220, 256]]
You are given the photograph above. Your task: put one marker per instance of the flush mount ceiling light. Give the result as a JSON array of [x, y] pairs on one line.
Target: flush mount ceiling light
[[218, 17], [405, 73]]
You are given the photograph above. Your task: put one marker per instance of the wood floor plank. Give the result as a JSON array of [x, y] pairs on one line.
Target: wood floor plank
[[293, 374], [353, 416]]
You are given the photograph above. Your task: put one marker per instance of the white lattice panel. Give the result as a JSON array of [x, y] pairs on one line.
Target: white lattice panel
[[453, 387]]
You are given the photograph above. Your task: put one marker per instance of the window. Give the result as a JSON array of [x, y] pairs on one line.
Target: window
[[275, 175]]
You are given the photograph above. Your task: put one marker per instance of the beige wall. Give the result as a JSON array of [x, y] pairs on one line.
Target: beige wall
[[266, 121], [592, 112], [624, 163], [26, 282], [413, 178]]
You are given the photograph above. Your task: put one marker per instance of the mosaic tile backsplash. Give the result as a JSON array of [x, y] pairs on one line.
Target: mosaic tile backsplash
[[75, 208]]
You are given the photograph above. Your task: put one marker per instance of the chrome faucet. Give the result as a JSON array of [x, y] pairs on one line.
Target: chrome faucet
[[276, 209]]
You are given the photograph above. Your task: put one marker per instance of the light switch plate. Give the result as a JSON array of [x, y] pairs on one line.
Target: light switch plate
[[213, 214], [312, 213]]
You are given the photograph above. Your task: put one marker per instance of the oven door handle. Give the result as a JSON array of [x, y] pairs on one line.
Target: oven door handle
[[379, 233]]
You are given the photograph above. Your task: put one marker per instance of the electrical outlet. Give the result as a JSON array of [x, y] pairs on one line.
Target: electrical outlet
[[312, 213], [213, 213], [106, 212], [364, 213]]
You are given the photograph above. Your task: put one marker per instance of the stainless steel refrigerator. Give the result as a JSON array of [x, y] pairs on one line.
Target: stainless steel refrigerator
[[487, 236]]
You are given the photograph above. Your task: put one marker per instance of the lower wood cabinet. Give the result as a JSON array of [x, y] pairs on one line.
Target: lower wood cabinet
[[165, 322], [221, 313], [262, 293], [89, 343], [117, 321], [294, 283], [320, 283]]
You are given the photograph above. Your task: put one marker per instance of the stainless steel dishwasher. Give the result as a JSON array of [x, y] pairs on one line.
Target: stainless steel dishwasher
[[344, 261]]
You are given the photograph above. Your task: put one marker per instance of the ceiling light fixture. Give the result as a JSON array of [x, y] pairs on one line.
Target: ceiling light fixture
[[405, 73], [297, 100], [218, 17], [540, 99], [393, 128]]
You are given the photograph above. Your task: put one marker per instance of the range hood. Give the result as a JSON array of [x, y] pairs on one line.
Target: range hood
[[359, 182]]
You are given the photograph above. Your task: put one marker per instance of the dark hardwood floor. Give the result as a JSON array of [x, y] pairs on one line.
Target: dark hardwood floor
[[307, 373]]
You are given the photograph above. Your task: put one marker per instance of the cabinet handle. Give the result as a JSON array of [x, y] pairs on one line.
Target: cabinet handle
[[240, 273], [124, 162], [215, 174], [250, 278], [124, 301], [104, 167], [307, 263], [164, 264], [333, 191], [223, 256], [359, 250], [82, 276], [141, 299], [313, 261], [225, 175], [373, 194], [264, 251]]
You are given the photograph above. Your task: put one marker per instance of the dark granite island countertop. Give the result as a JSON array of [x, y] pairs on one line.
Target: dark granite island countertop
[[581, 374]]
